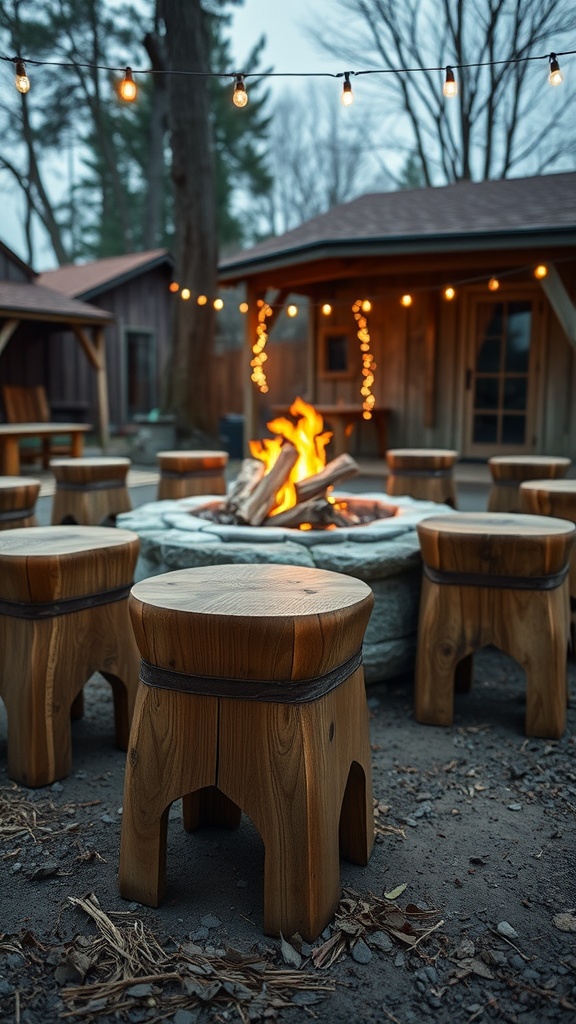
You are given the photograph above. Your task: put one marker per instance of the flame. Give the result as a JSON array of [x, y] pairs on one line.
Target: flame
[[308, 437]]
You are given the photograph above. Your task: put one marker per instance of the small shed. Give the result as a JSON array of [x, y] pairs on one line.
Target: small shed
[[32, 316], [469, 310], [135, 289]]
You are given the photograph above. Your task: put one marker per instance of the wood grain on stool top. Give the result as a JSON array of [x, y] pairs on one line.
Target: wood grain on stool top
[[420, 458], [280, 622], [85, 470], [524, 467], [192, 459]]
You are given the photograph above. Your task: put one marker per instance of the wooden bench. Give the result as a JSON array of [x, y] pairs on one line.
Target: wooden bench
[[422, 473], [63, 616], [494, 579], [30, 405], [252, 697], [185, 473], [509, 471], [12, 433]]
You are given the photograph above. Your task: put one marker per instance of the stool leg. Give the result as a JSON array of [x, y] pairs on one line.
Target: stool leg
[[442, 654], [173, 752], [302, 755], [531, 627]]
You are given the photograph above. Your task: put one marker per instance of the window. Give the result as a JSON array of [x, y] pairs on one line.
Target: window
[[141, 383], [336, 354]]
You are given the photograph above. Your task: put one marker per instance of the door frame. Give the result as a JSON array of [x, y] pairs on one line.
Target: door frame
[[506, 293]]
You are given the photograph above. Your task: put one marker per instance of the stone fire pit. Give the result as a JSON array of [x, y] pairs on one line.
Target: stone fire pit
[[384, 553]]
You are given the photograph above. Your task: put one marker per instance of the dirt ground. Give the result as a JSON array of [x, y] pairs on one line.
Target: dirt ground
[[466, 911]]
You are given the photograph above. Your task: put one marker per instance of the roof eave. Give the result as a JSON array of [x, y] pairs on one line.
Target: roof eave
[[120, 279], [413, 245]]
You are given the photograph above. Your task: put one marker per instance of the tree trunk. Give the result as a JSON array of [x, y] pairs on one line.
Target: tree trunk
[[189, 392]]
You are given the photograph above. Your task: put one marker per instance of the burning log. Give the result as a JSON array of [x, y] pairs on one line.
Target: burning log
[[340, 468], [251, 472], [315, 512], [255, 506]]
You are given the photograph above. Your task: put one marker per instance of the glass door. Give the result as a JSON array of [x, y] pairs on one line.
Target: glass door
[[500, 377]]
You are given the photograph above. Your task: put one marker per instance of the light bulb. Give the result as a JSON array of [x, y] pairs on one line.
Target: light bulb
[[239, 96], [22, 80], [493, 284], [347, 96], [292, 310], [202, 300], [218, 303], [243, 307], [555, 77], [185, 294], [450, 87], [366, 306], [326, 309], [127, 87], [449, 293], [406, 300], [174, 286], [541, 271]]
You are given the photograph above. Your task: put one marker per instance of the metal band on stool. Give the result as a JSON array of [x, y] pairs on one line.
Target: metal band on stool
[[477, 579], [49, 609], [90, 485], [421, 472], [277, 691], [19, 513], [173, 474]]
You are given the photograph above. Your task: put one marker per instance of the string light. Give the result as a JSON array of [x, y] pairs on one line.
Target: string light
[[493, 284], [243, 307], [450, 87], [406, 300], [22, 80], [326, 309], [218, 303], [541, 271], [239, 96], [127, 87], [449, 293], [292, 310], [174, 286], [185, 294], [368, 363], [555, 77], [347, 96], [257, 363], [202, 300]]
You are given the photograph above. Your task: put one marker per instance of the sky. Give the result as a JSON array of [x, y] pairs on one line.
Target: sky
[[288, 48]]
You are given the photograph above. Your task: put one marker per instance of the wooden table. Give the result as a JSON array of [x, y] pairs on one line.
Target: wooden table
[[341, 420], [12, 433]]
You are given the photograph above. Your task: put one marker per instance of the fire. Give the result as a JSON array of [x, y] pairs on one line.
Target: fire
[[308, 437]]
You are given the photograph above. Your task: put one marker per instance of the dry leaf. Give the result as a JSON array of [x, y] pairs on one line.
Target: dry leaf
[[395, 893]]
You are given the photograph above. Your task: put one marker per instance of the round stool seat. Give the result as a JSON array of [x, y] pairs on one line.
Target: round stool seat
[[63, 616], [509, 471], [252, 698], [501, 579], [187, 473], [18, 496], [422, 473], [91, 490]]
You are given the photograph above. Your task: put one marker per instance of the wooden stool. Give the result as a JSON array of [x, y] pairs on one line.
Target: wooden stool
[[494, 579], [555, 498], [18, 496], [508, 472], [252, 696], [90, 491], [193, 472], [63, 616], [422, 473]]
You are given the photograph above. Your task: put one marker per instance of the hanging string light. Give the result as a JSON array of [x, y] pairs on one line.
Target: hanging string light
[[449, 293], [239, 96], [555, 77], [541, 271], [257, 363], [360, 307], [22, 81], [127, 88], [326, 309], [292, 310], [406, 300], [347, 96], [493, 284], [450, 87]]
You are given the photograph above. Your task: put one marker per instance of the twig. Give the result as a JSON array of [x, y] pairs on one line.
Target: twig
[[425, 935]]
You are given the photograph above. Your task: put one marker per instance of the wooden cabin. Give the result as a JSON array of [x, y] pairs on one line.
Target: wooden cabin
[[487, 368], [134, 288]]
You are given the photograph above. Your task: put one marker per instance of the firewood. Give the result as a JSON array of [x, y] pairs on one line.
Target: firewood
[[340, 468], [316, 511], [251, 472], [258, 503]]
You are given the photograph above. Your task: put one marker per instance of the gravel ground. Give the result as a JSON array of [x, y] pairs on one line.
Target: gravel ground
[[466, 911]]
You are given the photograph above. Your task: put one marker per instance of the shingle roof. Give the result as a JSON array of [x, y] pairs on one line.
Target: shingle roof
[[29, 299], [423, 217], [85, 280]]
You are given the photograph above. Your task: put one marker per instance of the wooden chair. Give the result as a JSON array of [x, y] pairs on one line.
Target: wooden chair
[[494, 579], [30, 405], [63, 616], [252, 697]]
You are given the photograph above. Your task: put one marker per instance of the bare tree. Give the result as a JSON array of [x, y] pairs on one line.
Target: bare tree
[[319, 155], [505, 120]]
